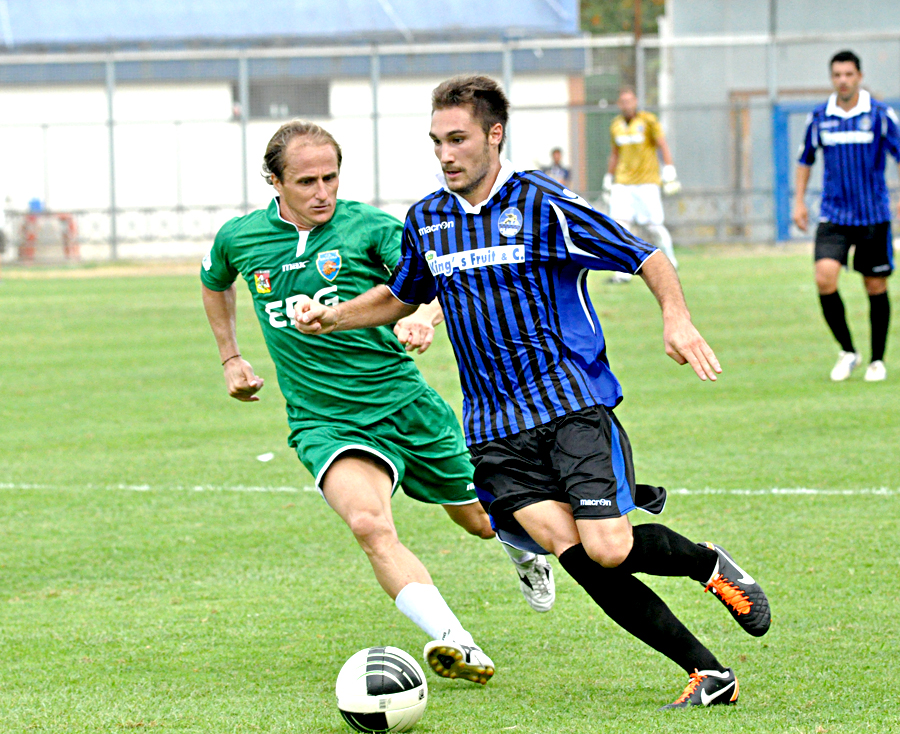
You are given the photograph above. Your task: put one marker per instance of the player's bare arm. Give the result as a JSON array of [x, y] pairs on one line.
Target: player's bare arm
[[898, 202], [416, 332], [664, 151], [240, 380], [613, 161], [800, 215], [375, 307], [683, 342]]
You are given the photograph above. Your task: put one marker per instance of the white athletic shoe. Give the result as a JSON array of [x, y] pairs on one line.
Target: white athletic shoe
[[876, 372], [620, 278], [846, 363], [450, 659], [536, 582]]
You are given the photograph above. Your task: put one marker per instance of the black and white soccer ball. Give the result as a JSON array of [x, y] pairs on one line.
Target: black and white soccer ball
[[381, 689]]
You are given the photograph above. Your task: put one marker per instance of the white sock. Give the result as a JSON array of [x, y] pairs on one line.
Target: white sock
[[663, 240], [516, 555], [426, 608]]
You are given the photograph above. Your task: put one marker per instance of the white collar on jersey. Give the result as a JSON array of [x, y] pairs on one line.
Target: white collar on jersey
[[863, 105], [506, 170]]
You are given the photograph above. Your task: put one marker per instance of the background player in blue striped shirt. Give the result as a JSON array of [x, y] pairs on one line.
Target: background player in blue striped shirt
[[855, 132], [506, 253]]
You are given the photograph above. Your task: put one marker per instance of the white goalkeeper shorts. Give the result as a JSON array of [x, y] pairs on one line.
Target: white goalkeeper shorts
[[638, 203]]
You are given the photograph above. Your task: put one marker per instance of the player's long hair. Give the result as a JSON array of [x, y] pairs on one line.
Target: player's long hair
[[482, 94], [273, 160]]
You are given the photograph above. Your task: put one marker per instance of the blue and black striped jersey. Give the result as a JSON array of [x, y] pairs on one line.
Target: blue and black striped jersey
[[510, 276], [854, 145]]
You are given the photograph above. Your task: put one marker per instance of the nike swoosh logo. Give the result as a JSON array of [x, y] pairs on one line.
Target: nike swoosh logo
[[707, 698], [745, 578]]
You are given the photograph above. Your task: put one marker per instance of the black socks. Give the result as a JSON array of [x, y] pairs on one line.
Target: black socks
[[659, 551], [833, 311], [636, 608], [880, 318]]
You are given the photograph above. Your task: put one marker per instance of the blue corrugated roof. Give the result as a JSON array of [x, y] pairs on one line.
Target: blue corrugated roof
[[29, 23]]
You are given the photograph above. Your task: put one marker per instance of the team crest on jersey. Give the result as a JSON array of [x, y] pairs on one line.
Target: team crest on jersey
[[865, 123], [263, 281], [510, 222], [328, 264]]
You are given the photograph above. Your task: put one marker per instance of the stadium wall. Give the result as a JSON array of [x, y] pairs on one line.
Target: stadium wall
[[187, 133]]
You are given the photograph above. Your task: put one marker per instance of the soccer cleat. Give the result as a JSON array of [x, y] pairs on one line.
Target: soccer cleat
[[876, 372], [846, 363], [737, 590], [450, 659], [536, 582], [707, 688]]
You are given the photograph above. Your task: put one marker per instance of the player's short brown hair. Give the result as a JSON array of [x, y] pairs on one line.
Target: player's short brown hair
[[843, 56], [481, 94], [273, 160]]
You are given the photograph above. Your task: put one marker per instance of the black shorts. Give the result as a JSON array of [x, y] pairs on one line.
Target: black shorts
[[583, 458], [874, 253]]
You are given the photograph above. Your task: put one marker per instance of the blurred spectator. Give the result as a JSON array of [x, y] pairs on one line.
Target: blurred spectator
[[556, 170]]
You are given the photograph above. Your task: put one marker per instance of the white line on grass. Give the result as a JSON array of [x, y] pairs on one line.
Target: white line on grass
[[775, 491], [885, 491], [161, 488]]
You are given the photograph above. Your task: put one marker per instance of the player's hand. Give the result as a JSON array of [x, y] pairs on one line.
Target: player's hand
[[670, 183], [414, 333], [241, 381], [606, 187], [800, 215], [685, 345], [311, 317]]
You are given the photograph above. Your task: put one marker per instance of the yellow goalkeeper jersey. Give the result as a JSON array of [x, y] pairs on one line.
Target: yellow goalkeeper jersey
[[636, 142]]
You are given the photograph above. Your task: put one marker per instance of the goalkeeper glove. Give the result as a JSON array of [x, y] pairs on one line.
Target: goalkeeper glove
[[670, 183], [606, 188]]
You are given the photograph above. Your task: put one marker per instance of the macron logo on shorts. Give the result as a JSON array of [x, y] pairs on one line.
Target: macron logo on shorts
[[595, 503]]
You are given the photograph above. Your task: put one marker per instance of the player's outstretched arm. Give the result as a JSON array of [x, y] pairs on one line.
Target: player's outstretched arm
[[240, 380], [683, 342], [417, 330], [375, 307]]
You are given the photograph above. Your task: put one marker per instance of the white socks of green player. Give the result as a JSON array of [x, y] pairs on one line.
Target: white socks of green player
[[517, 556], [426, 608], [663, 240]]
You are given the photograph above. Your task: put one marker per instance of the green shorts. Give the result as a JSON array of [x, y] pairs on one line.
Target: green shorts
[[421, 445]]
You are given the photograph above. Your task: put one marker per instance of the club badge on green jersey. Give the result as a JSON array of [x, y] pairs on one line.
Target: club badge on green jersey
[[328, 264], [263, 281]]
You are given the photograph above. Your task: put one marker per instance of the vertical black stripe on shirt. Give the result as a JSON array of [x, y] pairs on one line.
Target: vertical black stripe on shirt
[[571, 387], [600, 230], [470, 329], [579, 387], [487, 284], [534, 389], [544, 282]]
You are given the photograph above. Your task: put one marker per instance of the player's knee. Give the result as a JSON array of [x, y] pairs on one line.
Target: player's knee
[[483, 530], [372, 531], [609, 552], [875, 286], [827, 272]]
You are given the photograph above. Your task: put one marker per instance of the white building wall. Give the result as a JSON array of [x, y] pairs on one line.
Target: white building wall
[[178, 145]]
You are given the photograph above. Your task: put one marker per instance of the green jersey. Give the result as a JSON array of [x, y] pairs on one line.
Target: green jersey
[[356, 377]]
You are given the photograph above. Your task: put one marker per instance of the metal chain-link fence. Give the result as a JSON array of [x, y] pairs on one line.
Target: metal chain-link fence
[[149, 153]]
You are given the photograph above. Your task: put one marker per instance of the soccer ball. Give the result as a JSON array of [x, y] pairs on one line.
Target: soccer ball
[[381, 689]]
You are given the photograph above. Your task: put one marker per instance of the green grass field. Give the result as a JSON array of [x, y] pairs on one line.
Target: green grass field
[[155, 575]]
